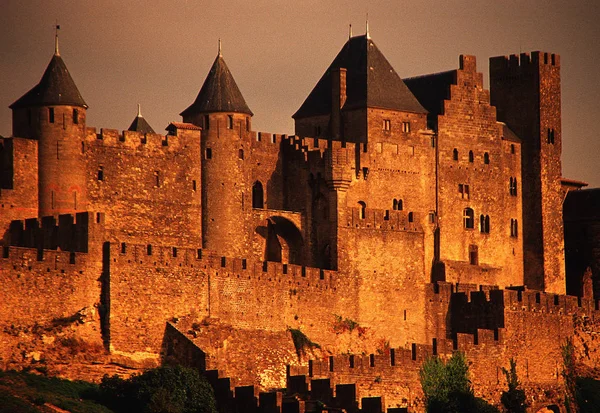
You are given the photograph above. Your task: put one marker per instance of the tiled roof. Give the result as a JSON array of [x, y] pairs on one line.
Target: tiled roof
[[182, 125], [371, 81], [219, 93], [55, 88]]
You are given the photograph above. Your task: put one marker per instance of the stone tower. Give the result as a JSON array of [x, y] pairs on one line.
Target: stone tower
[[526, 92], [54, 113], [225, 118]]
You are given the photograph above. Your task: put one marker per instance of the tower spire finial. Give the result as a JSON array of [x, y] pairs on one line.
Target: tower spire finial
[[367, 31], [56, 28], [139, 111], [220, 48], [350, 31]]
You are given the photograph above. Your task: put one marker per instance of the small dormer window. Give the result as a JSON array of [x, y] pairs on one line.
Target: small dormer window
[[229, 121]]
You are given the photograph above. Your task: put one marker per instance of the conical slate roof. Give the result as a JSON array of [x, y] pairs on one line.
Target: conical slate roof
[[140, 124], [371, 81], [219, 93], [55, 88]]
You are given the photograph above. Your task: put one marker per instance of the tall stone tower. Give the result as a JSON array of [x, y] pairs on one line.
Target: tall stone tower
[[54, 114], [225, 118], [526, 92]]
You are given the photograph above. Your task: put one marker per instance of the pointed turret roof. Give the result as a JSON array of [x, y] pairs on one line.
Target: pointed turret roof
[[371, 81], [219, 93], [55, 88], [140, 124]]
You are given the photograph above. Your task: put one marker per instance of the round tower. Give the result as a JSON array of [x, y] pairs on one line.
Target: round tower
[[227, 196], [54, 113]]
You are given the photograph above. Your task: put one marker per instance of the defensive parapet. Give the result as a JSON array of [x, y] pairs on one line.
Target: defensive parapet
[[66, 232], [178, 139], [519, 63]]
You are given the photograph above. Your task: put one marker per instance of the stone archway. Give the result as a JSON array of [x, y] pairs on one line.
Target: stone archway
[[284, 241]]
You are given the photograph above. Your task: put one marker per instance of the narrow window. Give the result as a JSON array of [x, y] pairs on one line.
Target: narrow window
[[247, 123], [387, 125], [123, 248], [206, 122], [363, 210], [51, 115], [257, 195], [468, 218], [208, 153], [156, 179], [486, 158], [148, 249], [395, 204], [484, 224], [512, 186], [411, 217], [471, 157], [101, 173], [229, 121], [467, 193], [400, 205], [455, 154], [461, 190], [194, 185], [473, 255], [241, 154], [175, 252], [98, 218], [406, 127], [514, 229], [512, 148], [432, 217], [75, 117]]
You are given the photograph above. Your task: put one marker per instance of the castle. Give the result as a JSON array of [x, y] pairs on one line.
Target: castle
[[404, 218]]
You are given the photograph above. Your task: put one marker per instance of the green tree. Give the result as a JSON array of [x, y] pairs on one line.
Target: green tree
[[447, 387], [513, 400], [161, 390]]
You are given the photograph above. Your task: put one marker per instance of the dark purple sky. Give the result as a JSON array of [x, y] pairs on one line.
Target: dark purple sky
[[158, 53]]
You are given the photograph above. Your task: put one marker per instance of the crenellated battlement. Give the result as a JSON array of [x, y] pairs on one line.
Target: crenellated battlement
[[515, 63], [382, 219], [23, 259], [66, 232], [390, 362], [178, 139], [165, 256], [512, 299]]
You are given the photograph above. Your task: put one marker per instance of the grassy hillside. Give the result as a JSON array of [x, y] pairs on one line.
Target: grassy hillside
[[22, 392]]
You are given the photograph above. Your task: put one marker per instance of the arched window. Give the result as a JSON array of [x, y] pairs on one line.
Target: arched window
[[363, 210], [468, 218], [257, 195], [486, 158], [471, 157], [397, 205], [455, 154], [487, 224], [241, 154]]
